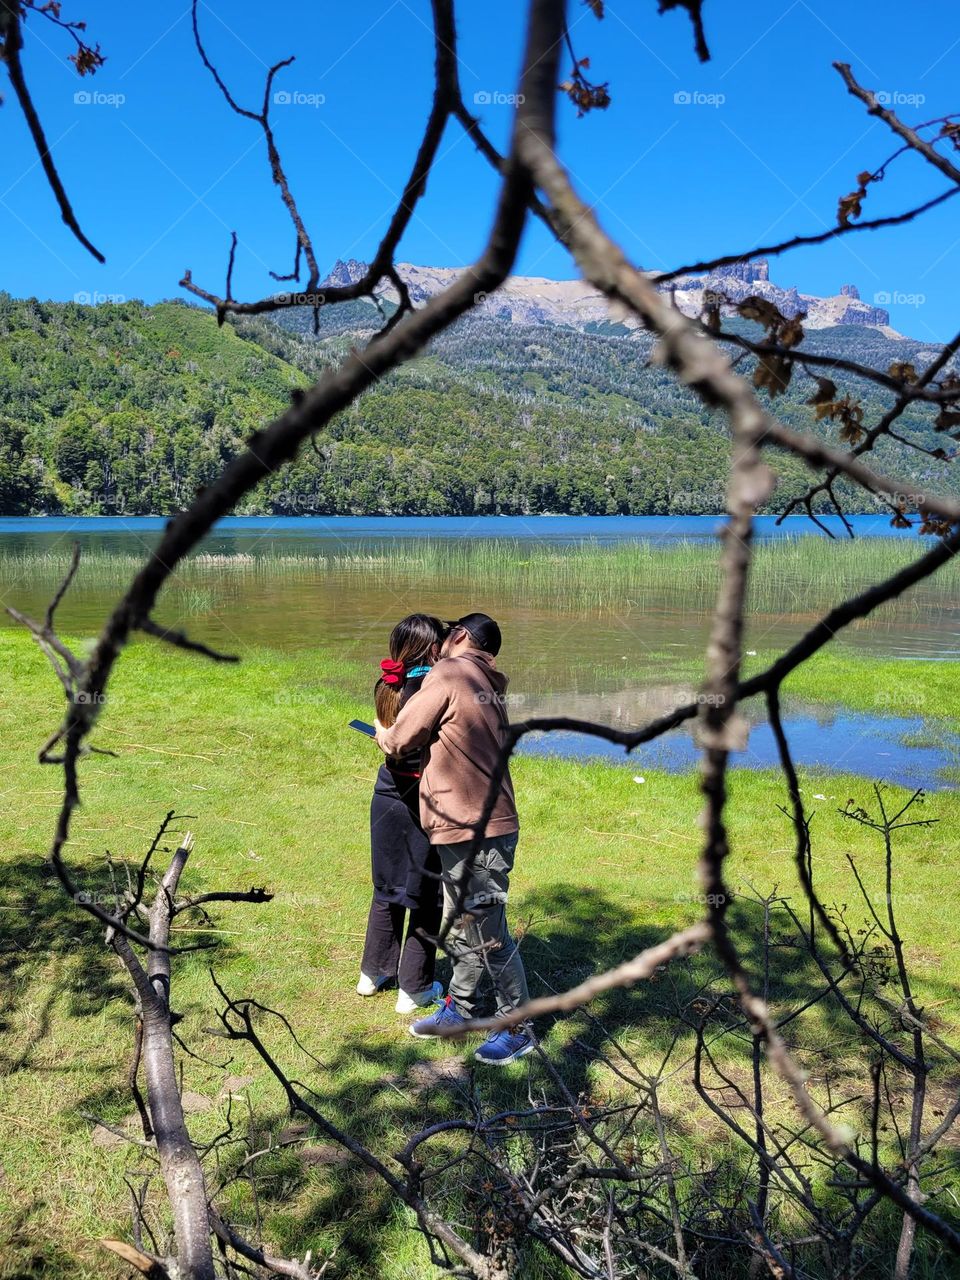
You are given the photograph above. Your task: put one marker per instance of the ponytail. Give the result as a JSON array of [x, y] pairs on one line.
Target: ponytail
[[386, 698], [411, 645]]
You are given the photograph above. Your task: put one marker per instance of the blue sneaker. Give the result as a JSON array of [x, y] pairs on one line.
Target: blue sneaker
[[505, 1046], [446, 1016]]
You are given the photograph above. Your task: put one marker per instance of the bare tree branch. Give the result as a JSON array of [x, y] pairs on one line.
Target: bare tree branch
[[12, 43]]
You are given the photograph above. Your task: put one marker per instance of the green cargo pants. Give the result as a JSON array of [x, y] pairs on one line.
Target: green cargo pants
[[478, 940]]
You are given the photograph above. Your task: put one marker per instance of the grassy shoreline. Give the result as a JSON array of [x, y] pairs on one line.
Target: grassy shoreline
[[604, 867]]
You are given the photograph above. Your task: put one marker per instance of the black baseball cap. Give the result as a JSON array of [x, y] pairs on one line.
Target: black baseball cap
[[482, 629]]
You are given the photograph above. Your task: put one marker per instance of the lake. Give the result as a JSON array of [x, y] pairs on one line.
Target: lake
[[553, 529], [603, 617]]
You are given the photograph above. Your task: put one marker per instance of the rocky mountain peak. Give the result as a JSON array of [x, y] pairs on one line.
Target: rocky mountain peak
[[345, 273], [534, 300], [748, 272]]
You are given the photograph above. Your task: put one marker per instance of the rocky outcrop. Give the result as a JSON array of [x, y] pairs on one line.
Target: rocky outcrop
[[735, 289], [346, 273], [533, 300], [748, 272], [865, 314]]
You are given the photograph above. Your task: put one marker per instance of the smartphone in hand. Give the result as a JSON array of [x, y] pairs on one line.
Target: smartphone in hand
[[362, 727]]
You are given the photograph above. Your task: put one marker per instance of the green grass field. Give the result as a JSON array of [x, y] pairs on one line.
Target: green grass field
[[278, 792]]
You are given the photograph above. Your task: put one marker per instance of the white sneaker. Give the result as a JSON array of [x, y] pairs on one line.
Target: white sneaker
[[407, 1003], [370, 986]]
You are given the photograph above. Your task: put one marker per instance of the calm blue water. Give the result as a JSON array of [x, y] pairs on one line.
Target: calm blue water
[[234, 532], [892, 749]]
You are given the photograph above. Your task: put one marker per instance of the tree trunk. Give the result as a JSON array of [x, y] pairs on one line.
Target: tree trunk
[[179, 1162]]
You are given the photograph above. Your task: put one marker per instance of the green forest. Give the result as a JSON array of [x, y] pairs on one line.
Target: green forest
[[129, 409]]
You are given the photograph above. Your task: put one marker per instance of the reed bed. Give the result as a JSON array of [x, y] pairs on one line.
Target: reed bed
[[790, 574]]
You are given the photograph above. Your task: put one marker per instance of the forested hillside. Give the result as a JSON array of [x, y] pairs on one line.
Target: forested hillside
[[123, 408], [127, 409]]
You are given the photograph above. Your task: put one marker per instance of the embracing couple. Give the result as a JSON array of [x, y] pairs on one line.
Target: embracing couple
[[441, 720]]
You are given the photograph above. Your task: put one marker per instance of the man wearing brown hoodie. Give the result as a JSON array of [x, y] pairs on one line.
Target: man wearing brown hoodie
[[459, 719]]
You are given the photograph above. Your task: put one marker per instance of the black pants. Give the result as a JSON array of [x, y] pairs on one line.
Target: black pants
[[386, 953], [406, 878]]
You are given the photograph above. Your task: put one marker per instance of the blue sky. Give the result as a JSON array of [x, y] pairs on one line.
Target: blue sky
[[161, 171]]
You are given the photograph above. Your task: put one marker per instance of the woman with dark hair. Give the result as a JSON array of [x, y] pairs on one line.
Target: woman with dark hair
[[406, 872]]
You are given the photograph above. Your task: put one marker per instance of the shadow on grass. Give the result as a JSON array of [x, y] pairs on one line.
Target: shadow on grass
[[56, 971], [28, 1247], [382, 1089], [53, 948]]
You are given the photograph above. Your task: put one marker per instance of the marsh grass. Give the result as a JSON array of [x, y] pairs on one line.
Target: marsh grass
[[789, 575]]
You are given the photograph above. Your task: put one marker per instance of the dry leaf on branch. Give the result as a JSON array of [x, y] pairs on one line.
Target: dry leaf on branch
[[87, 60], [850, 204], [934, 524], [825, 393], [755, 308], [710, 313], [773, 372], [790, 333], [847, 411], [584, 95]]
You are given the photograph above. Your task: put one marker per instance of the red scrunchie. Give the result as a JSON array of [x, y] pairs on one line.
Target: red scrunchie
[[393, 672]]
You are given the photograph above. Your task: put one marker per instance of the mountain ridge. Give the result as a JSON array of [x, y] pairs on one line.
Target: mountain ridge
[[537, 300], [126, 408]]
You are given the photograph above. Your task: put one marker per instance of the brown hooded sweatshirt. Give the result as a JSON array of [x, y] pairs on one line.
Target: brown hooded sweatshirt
[[459, 717]]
